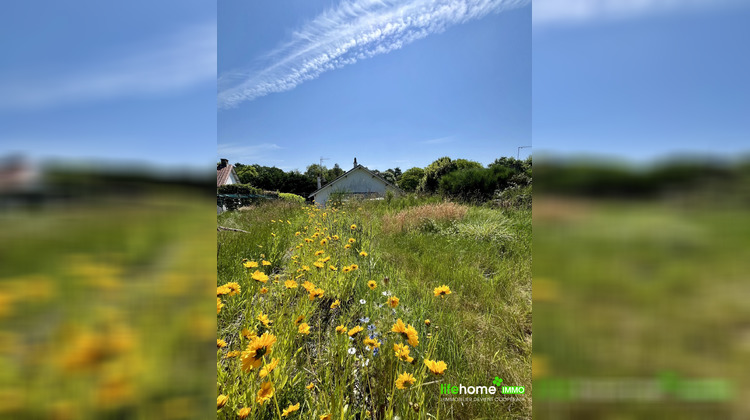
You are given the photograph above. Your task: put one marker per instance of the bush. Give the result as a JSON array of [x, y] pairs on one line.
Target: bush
[[242, 189], [476, 184], [292, 197]]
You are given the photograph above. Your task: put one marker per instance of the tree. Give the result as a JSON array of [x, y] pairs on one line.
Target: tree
[[433, 172], [388, 176], [335, 172], [409, 181]]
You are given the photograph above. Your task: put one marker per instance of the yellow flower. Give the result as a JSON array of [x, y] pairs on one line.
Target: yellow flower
[[290, 284], [221, 401], [297, 233], [250, 335], [372, 285], [326, 417], [265, 393], [442, 291], [341, 329], [347, 246], [299, 319], [266, 262], [290, 409], [268, 368], [250, 264], [309, 286], [231, 354], [303, 328], [346, 269], [263, 318], [310, 385], [273, 234], [352, 240], [393, 301], [436, 367], [219, 305], [352, 227], [324, 242], [264, 290], [405, 380], [259, 276], [408, 333], [427, 322], [363, 254], [233, 287], [335, 237], [371, 343], [333, 268], [222, 290], [326, 259], [252, 357], [355, 330], [402, 352], [335, 304], [316, 293], [319, 264], [321, 252], [243, 412], [220, 343], [354, 267], [305, 268]]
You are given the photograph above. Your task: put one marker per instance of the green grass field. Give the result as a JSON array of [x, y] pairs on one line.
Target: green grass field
[[403, 248], [105, 308], [650, 290]]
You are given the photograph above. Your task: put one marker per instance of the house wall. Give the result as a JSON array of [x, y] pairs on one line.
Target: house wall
[[358, 181]]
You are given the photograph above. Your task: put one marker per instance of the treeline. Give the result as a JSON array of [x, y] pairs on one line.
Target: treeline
[[611, 179], [460, 178]]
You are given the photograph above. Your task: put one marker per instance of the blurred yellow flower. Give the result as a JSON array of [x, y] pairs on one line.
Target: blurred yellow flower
[[347, 246], [326, 417], [324, 242], [263, 318], [220, 343], [393, 301], [308, 285], [299, 319], [221, 401], [442, 291], [250, 335], [354, 267], [260, 276], [427, 322], [321, 252], [355, 330], [363, 254], [352, 227], [233, 287], [319, 264], [290, 409], [250, 264], [219, 305], [352, 240], [341, 329], [335, 304], [408, 333], [402, 352], [222, 290], [317, 293], [231, 354], [268, 368], [265, 393], [333, 268], [310, 385], [243, 412], [264, 290], [266, 262], [372, 285], [436, 367], [303, 328], [372, 344], [405, 380]]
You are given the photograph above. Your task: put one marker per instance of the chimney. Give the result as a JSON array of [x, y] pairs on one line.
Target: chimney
[[224, 163], [318, 182], [355, 162]]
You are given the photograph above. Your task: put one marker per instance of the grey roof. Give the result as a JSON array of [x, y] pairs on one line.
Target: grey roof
[[347, 173]]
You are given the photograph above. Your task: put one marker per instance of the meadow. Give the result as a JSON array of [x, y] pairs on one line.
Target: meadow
[[365, 309], [105, 307]]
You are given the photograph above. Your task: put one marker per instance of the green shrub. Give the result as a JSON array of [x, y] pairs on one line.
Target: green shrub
[[475, 184], [292, 197]]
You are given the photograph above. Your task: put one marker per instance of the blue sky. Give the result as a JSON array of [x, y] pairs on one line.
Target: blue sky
[[114, 82], [393, 83], [641, 80]]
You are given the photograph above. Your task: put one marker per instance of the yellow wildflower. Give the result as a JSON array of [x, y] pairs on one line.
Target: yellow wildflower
[[220, 343], [442, 291], [405, 380], [260, 276], [372, 285], [265, 393], [393, 301], [290, 409], [363, 254], [290, 284], [303, 328], [221, 401], [355, 330], [250, 264], [335, 304], [252, 357], [436, 367], [243, 412], [341, 329], [269, 367]]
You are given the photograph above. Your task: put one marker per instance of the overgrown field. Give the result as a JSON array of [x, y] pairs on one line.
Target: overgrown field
[[363, 311], [105, 308]]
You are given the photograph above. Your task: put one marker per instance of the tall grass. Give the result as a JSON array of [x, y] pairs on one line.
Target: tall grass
[[481, 330]]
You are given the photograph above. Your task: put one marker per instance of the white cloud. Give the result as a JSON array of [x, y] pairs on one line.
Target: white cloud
[[352, 31], [551, 12], [439, 140], [179, 61]]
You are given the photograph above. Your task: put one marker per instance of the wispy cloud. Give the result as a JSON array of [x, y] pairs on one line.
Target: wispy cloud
[[178, 61], [247, 153], [352, 31], [550, 12]]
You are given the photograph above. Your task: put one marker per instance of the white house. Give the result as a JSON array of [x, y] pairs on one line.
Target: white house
[[359, 182], [225, 174]]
